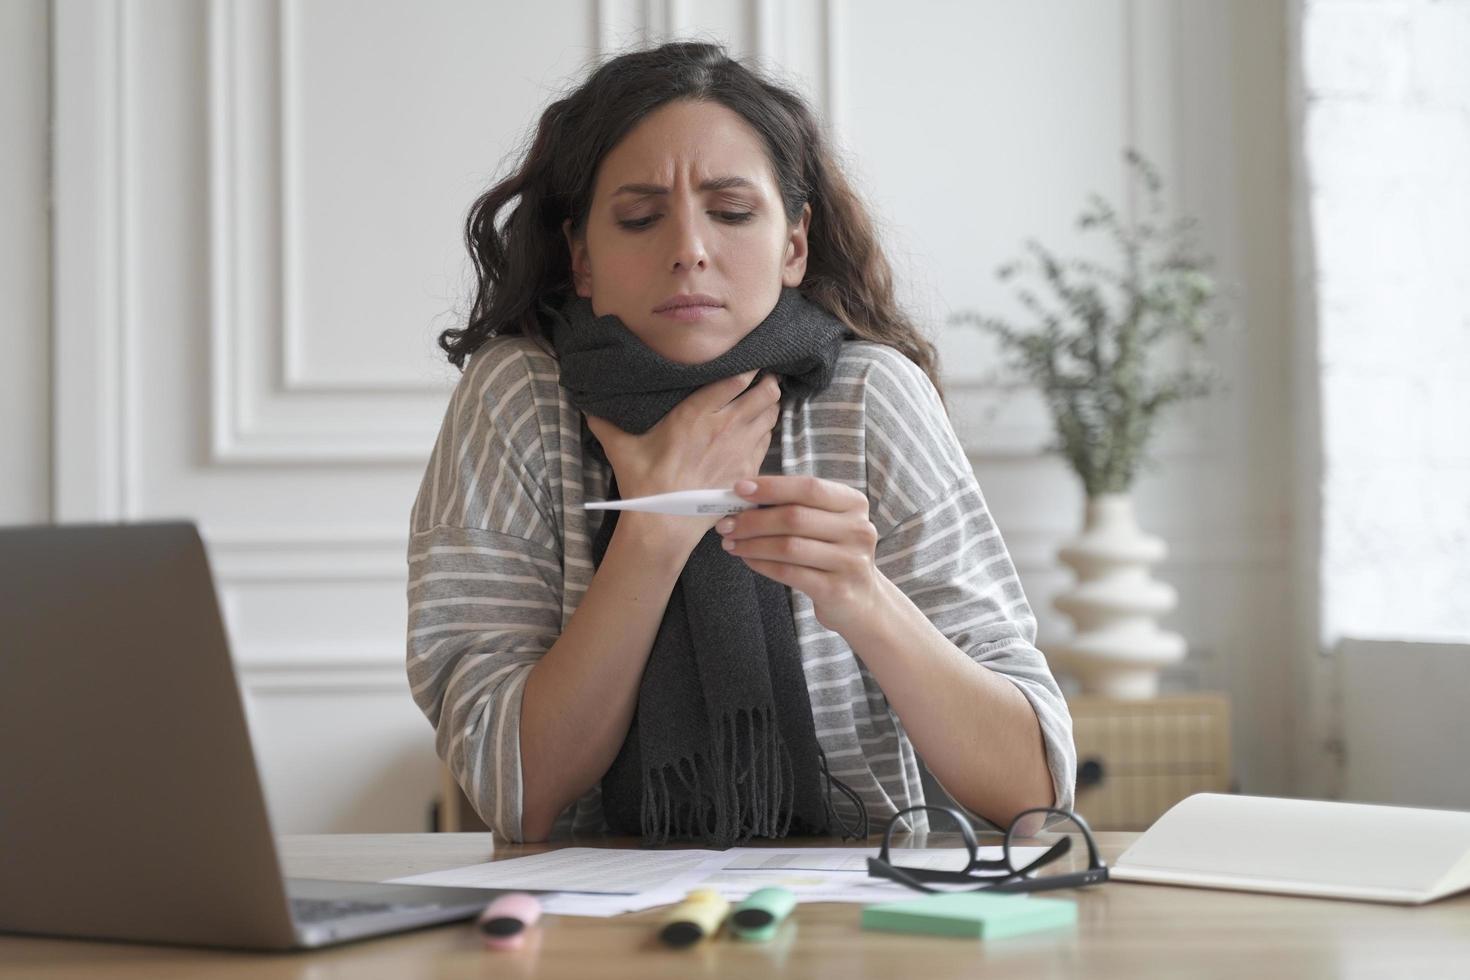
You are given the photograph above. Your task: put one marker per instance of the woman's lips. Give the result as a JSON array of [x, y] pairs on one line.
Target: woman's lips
[[690, 313]]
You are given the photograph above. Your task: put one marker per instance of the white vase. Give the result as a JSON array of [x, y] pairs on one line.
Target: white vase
[[1117, 647]]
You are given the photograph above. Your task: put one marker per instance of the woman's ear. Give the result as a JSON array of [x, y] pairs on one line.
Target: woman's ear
[[581, 268], [793, 269]]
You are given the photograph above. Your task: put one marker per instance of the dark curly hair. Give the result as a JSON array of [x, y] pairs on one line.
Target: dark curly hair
[[523, 261]]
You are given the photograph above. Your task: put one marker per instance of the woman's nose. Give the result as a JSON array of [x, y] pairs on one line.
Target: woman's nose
[[688, 244]]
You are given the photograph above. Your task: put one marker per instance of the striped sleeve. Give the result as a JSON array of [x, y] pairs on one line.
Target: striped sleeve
[[484, 579], [939, 545]]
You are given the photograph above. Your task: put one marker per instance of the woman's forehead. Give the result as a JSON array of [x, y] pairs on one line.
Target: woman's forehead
[[704, 143]]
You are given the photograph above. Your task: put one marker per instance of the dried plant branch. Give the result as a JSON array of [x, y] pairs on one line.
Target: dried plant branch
[[1088, 347]]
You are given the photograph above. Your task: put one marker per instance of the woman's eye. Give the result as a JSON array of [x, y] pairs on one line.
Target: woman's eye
[[733, 217]]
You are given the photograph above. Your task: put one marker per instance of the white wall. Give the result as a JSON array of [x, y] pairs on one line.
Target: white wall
[[25, 242], [258, 230]]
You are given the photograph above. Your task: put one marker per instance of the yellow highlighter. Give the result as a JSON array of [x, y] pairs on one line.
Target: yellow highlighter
[[698, 916]]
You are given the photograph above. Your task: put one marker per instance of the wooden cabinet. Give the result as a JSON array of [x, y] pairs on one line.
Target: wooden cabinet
[[1135, 759]]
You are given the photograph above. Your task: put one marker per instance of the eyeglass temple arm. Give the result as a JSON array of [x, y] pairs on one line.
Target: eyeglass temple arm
[[916, 879]]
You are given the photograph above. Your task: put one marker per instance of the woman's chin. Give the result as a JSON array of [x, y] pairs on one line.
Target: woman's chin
[[689, 347]]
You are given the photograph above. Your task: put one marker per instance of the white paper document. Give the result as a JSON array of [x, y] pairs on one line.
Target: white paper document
[[600, 881], [856, 858], [579, 869]]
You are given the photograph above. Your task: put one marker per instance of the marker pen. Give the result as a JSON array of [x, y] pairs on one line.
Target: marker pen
[[698, 916], [507, 918], [763, 910]]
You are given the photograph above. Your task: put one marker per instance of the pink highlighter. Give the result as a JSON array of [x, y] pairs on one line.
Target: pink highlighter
[[506, 919]]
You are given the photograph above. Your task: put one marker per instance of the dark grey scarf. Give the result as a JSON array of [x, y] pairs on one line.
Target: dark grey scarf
[[722, 747]]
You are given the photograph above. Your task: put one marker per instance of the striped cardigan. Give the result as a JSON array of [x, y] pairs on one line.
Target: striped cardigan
[[500, 555]]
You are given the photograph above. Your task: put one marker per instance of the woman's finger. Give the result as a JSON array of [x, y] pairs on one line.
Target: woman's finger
[[791, 519], [823, 556], [809, 490], [717, 394]]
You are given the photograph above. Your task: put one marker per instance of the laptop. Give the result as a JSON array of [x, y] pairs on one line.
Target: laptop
[[130, 804]]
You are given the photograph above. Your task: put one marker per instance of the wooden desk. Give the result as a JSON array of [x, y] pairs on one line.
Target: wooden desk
[[1124, 930]]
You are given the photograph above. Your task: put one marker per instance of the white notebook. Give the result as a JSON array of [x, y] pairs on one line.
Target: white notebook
[[1322, 848]]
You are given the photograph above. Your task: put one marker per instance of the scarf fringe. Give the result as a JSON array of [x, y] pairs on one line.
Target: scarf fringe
[[747, 790], [744, 789]]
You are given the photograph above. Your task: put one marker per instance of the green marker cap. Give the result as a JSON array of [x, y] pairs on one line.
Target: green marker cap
[[757, 917]]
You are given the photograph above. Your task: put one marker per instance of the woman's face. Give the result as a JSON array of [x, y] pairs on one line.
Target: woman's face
[[687, 204]]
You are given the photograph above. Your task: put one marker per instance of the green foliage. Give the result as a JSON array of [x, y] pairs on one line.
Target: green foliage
[[1088, 350]]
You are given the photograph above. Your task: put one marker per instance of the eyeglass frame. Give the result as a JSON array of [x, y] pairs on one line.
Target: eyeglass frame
[[1010, 879]]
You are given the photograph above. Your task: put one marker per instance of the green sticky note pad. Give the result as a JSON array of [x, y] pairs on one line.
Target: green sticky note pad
[[973, 915]]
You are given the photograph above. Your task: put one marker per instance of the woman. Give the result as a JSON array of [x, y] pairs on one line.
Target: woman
[[688, 295]]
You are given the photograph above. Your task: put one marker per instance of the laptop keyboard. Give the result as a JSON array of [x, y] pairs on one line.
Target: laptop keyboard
[[312, 910]]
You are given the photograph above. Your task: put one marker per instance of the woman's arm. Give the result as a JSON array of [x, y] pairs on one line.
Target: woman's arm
[[931, 603], [975, 730], [579, 697]]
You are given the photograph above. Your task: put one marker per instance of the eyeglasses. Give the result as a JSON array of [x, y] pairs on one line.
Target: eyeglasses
[[1057, 866]]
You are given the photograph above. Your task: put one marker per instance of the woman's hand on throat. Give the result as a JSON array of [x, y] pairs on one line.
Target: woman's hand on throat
[[714, 437]]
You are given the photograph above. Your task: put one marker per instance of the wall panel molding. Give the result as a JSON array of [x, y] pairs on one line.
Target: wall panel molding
[[266, 405], [296, 375], [92, 394], [283, 557], [316, 677]]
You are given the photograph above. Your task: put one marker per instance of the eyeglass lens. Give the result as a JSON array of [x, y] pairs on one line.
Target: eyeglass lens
[[936, 843], [1046, 843]]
